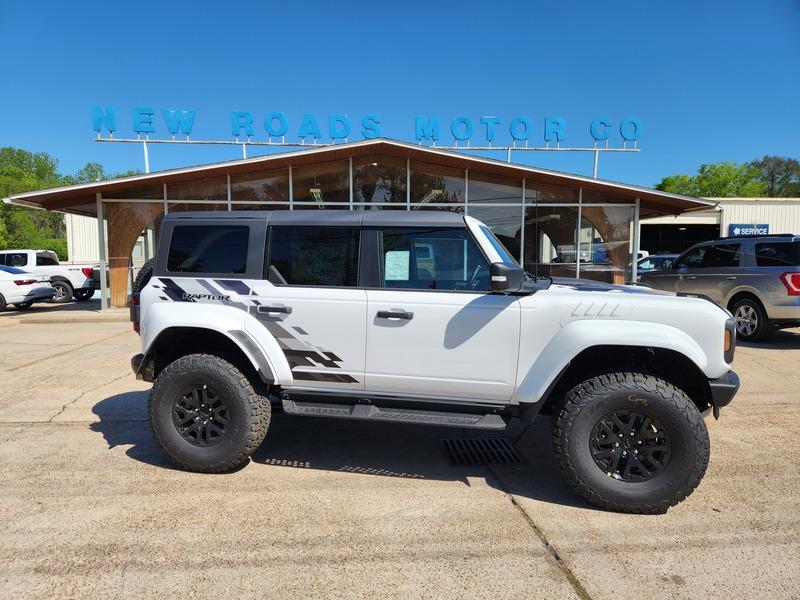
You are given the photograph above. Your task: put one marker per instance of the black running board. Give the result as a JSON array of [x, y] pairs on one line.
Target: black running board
[[370, 412]]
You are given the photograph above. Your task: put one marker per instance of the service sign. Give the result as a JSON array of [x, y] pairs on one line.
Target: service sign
[[462, 130], [737, 229]]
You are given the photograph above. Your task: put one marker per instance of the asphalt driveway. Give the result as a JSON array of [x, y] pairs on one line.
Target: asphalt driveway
[[89, 506]]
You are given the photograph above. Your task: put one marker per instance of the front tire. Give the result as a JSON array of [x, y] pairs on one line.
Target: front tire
[[206, 415], [630, 442], [62, 292]]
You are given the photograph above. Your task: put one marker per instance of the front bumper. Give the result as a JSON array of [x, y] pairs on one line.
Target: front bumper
[[723, 389]]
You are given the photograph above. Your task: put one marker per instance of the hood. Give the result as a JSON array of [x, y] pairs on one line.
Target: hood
[[590, 285]]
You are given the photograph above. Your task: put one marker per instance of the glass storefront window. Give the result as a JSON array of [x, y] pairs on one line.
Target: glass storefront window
[[149, 192], [321, 205], [550, 240], [590, 197], [605, 243], [267, 185], [485, 187], [322, 183], [380, 179], [432, 184], [260, 206], [504, 221], [545, 192], [211, 188], [459, 208], [196, 206]]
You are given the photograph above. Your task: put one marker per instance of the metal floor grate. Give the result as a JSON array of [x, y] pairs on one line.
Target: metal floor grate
[[481, 451]]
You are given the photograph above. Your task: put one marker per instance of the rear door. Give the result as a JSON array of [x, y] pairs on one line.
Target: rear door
[[433, 329], [715, 275], [309, 300]]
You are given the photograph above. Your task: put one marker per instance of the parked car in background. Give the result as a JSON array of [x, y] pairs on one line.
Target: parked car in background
[[22, 289], [653, 262], [757, 278], [68, 280]]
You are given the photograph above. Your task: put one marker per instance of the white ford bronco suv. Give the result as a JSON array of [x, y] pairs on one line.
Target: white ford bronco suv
[[423, 317]]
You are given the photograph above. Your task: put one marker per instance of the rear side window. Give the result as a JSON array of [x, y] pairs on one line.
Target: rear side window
[[778, 254], [14, 259], [722, 255], [318, 256], [208, 249]]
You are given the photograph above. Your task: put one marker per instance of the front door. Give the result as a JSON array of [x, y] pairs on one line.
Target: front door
[[309, 302], [433, 329]]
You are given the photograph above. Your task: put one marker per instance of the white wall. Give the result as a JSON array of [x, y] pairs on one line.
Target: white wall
[[82, 241]]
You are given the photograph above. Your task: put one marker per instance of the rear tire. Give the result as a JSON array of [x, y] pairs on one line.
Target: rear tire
[[83, 295], [206, 415], [62, 292], [752, 323], [630, 442]]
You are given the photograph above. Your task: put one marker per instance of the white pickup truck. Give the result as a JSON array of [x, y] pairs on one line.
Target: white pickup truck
[[68, 280]]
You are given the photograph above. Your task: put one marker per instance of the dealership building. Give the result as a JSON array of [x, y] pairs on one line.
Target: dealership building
[[555, 223]]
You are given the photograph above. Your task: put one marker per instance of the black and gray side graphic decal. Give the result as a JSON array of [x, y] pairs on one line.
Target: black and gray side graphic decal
[[300, 354]]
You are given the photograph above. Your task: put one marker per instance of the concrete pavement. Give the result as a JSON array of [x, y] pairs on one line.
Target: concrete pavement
[[90, 507]]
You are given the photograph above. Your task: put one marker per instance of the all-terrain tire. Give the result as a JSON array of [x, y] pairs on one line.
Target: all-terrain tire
[[62, 292], [143, 276], [752, 323], [603, 397], [248, 413]]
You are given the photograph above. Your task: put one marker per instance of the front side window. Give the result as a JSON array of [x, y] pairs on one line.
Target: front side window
[[317, 256], [778, 254], [722, 255], [432, 259], [692, 259], [208, 249]]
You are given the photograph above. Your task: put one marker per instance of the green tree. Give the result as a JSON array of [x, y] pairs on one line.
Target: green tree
[[717, 180], [23, 171], [780, 175]]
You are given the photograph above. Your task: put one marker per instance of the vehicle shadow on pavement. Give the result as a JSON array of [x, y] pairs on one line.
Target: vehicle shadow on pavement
[[786, 339], [346, 446], [47, 307]]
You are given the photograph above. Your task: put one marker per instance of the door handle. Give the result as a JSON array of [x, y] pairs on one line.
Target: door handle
[[275, 309], [395, 314], [731, 278], [691, 277]]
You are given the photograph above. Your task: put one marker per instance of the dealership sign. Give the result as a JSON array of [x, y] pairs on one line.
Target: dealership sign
[[464, 130], [737, 229]]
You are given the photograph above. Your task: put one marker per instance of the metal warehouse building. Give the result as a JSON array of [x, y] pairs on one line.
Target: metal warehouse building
[[555, 223]]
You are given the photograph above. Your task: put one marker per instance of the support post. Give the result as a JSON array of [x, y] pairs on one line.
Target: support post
[[101, 242], [596, 160], [146, 157], [635, 257]]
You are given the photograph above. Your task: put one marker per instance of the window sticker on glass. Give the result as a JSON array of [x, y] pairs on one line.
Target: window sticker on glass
[[397, 265]]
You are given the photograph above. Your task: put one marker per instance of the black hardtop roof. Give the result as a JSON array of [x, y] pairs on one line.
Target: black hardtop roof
[[334, 218]]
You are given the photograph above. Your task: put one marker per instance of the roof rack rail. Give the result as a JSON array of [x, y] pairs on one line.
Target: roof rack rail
[[760, 235]]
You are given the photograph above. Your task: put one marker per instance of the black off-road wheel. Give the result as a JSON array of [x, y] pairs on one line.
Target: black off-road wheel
[[62, 292], [630, 442], [752, 323], [83, 295], [206, 415]]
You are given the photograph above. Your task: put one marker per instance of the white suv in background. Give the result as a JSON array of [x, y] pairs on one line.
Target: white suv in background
[[423, 317], [68, 280]]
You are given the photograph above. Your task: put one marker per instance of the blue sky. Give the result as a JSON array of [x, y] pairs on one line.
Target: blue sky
[[710, 81]]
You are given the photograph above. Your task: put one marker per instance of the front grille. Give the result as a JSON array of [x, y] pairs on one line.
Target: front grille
[[481, 451]]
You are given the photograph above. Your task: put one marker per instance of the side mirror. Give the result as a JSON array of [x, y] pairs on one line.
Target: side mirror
[[505, 278]]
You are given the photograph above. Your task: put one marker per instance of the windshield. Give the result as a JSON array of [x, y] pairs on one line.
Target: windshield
[[12, 270], [505, 255]]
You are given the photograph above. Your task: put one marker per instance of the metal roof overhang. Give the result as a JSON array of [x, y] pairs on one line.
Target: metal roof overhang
[[81, 198]]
